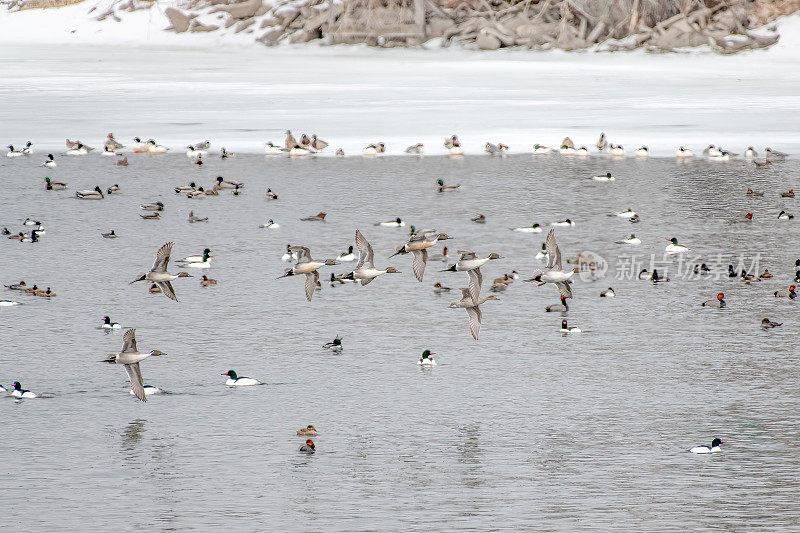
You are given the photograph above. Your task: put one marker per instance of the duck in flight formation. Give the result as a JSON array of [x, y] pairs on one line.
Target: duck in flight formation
[[131, 357], [159, 275]]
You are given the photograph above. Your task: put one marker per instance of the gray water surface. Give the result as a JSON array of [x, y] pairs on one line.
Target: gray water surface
[[524, 429]]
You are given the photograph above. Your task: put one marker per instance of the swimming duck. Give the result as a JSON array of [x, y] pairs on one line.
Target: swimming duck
[[214, 191], [308, 431], [542, 254], [558, 308], [155, 215], [719, 301], [748, 216], [602, 142], [374, 149], [33, 237], [112, 143], [110, 235], [193, 219], [553, 272], [19, 236], [273, 149], [54, 185], [749, 278], [271, 195], [731, 272], [319, 217], [538, 149], [309, 447], [774, 155], [13, 153], [565, 329], [716, 446], [33, 290], [5, 231], [417, 245], [107, 151], [155, 289], [628, 213], [194, 153], [50, 162], [446, 188], [783, 215], [78, 149], [123, 162], [30, 222], [443, 257], [533, 228], [130, 357], [199, 193], [396, 223], [582, 151], [750, 153], [228, 184], [768, 324], [480, 219], [21, 286], [7, 303], [139, 146], [415, 149], [307, 267], [347, 256], [711, 151], [196, 261], [683, 153], [608, 293], [495, 149], [606, 177], [674, 247], [291, 255], [426, 359], [19, 392], [206, 281], [438, 288], [567, 150], [113, 189], [642, 152], [788, 194], [108, 324], [317, 143], [158, 273], [563, 224], [334, 281], [789, 293], [155, 148], [632, 240], [766, 274], [46, 294], [149, 390], [335, 345], [235, 381], [365, 268], [271, 224], [90, 194], [224, 154], [617, 150], [339, 152]]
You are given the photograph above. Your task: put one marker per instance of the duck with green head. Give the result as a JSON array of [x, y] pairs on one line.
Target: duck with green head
[[426, 359]]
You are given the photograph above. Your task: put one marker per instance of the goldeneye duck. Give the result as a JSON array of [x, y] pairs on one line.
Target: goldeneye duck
[[108, 324], [783, 215], [608, 293], [335, 345], [767, 324], [569, 329], [235, 381], [426, 359], [716, 446], [719, 301], [308, 447], [19, 392], [308, 431], [674, 247], [271, 195]]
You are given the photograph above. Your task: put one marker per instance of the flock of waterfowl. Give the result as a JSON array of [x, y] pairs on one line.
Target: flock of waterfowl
[[419, 245]]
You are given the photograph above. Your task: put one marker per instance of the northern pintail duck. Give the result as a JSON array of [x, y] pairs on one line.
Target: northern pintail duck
[[50, 162], [193, 219], [234, 380], [471, 304], [130, 357], [441, 187], [415, 149], [417, 245], [719, 301], [716, 446], [54, 185], [319, 217], [308, 267], [159, 275], [365, 268], [19, 392], [90, 194], [470, 263], [553, 272], [308, 431]]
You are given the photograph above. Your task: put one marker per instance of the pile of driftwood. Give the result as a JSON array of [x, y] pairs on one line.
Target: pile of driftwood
[[605, 25]]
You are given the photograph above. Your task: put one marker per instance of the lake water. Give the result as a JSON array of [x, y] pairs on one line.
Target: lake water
[[524, 429]]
